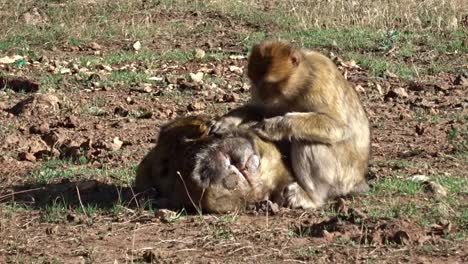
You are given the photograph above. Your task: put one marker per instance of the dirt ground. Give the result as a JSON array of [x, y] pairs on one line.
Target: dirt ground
[[70, 145]]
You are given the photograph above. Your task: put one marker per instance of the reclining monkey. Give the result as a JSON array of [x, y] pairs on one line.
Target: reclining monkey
[[190, 168]]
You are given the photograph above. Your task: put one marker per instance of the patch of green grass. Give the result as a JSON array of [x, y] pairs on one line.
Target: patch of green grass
[[395, 163], [308, 251], [87, 209], [220, 232], [394, 197], [95, 106], [54, 212], [395, 185], [377, 65], [50, 81], [455, 184], [125, 77], [56, 169], [8, 209], [447, 41], [439, 66], [458, 138]]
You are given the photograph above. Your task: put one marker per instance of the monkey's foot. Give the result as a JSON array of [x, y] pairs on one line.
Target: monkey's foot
[[296, 197]]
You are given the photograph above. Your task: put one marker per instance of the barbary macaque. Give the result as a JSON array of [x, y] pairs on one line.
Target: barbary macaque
[[300, 96], [192, 169]]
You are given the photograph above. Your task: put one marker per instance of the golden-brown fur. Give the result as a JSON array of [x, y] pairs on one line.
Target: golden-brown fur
[[300, 96], [221, 174]]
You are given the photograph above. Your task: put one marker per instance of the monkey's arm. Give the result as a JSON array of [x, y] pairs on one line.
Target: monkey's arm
[[311, 126], [244, 114]]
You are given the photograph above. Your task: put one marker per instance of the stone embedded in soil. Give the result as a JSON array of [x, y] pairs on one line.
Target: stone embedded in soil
[[196, 106], [199, 53], [399, 92], [26, 156], [149, 256], [116, 144], [462, 80], [37, 104], [196, 77], [137, 45], [231, 98], [165, 215], [436, 189], [121, 111], [54, 138], [70, 122], [42, 128], [95, 46]]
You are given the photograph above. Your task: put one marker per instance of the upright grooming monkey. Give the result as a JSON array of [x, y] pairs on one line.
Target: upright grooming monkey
[[300, 96]]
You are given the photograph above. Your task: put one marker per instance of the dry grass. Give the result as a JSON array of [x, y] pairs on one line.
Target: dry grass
[[382, 14]]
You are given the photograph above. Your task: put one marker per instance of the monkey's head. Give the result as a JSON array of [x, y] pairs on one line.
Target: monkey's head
[[271, 65], [232, 155]]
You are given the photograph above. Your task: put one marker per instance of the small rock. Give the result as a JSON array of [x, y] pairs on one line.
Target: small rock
[[230, 98], [397, 93], [147, 88], [199, 53], [461, 80], [390, 74], [136, 46], [419, 178], [379, 89], [358, 88], [119, 110], [9, 60], [171, 79], [65, 71], [26, 156], [149, 256], [70, 122], [237, 57], [196, 106], [165, 215], [95, 46], [104, 67], [53, 138], [196, 77], [235, 69], [11, 140], [436, 189], [155, 78], [420, 129], [116, 144], [452, 24], [39, 129]]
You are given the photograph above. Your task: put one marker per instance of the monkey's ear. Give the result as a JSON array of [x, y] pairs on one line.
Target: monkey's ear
[[295, 57]]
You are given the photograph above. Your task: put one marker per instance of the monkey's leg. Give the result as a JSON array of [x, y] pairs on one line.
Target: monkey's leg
[[315, 169]]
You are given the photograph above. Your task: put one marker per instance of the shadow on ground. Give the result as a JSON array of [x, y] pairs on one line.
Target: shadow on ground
[[75, 194]]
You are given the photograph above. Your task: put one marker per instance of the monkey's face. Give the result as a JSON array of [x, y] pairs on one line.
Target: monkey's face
[[270, 66], [231, 162]]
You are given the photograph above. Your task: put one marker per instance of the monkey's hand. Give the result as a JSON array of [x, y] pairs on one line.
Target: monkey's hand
[[273, 129], [224, 125], [296, 197]]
